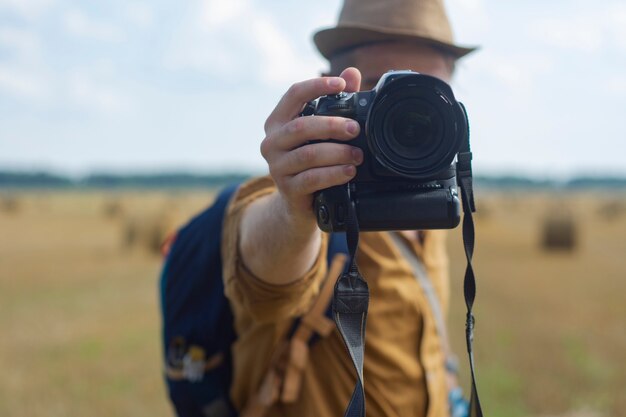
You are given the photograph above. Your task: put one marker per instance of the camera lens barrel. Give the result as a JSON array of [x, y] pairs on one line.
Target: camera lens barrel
[[415, 126]]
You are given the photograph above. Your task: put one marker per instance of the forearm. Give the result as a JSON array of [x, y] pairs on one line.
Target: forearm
[[276, 244], [279, 240]]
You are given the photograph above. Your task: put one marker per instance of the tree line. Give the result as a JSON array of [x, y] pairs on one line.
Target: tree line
[[9, 179]]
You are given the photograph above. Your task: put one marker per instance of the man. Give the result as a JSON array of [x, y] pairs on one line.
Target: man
[[274, 253]]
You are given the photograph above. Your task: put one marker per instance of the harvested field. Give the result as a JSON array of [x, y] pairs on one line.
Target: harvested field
[[79, 310], [551, 334]]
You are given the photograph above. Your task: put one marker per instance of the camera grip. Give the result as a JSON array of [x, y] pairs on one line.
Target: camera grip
[[436, 209], [377, 211]]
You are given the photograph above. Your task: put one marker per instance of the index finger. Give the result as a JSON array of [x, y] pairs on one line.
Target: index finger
[[291, 104], [353, 79]]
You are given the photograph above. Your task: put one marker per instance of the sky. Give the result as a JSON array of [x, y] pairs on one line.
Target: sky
[[141, 86]]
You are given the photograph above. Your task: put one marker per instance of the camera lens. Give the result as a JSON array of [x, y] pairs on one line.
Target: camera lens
[[414, 126], [412, 129]]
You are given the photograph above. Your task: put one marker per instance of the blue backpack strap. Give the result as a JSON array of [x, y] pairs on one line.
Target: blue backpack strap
[[185, 246], [197, 320], [336, 244]]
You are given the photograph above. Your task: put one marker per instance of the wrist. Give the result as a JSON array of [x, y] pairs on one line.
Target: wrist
[[299, 218]]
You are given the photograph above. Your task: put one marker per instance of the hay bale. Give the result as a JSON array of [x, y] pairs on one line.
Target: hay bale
[[130, 233], [10, 204], [559, 233], [612, 210], [147, 233], [113, 209]]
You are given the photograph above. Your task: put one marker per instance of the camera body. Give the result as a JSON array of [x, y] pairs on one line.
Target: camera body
[[412, 129]]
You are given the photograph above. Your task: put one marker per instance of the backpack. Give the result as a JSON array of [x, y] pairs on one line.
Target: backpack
[[198, 328]]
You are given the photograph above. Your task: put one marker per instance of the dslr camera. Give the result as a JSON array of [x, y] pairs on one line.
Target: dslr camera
[[412, 130]]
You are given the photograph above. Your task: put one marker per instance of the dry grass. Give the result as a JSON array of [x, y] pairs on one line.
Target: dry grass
[[78, 311], [80, 325], [550, 335]]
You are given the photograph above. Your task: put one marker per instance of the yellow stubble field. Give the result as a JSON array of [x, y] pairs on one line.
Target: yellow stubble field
[[80, 327]]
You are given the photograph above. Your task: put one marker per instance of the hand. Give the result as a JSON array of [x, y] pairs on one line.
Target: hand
[[300, 169]]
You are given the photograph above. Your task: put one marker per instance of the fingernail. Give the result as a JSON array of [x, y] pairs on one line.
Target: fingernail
[[349, 170], [335, 82], [357, 155], [352, 126]]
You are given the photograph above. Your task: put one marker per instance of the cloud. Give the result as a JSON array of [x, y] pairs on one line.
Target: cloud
[[217, 13], [26, 9], [616, 85], [586, 30], [617, 24], [517, 72], [571, 33], [22, 84], [79, 24], [279, 59], [209, 39], [233, 39], [25, 44], [140, 14], [21, 73], [83, 91], [191, 49], [469, 19]]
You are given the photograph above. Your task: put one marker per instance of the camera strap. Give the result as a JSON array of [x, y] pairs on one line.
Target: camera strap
[[351, 296], [469, 282], [350, 302], [464, 180]]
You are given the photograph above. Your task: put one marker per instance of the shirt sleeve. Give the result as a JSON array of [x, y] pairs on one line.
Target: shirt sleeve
[[248, 294]]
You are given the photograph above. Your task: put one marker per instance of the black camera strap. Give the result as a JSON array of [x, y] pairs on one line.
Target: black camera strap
[[350, 303], [351, 297], [464, 179]]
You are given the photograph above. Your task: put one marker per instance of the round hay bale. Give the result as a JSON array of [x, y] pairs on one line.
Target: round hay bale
[[147, 233], [130, 233], [113, 209], [559, 233], [612, 210], [10, 204]]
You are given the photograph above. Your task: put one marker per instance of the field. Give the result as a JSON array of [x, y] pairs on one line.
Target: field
[[80, 324]]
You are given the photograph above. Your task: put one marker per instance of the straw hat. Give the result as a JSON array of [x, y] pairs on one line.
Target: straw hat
[[370, 21]]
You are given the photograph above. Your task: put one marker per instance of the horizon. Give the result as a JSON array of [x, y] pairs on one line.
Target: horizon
[[143, 175]]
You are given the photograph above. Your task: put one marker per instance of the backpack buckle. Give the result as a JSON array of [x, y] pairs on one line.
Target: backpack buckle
[[194, 364]]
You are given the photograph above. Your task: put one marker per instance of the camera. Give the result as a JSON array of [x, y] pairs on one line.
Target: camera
[[412, 129]]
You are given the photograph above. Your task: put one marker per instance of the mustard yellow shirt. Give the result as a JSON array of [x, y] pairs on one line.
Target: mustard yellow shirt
[[404, 370]]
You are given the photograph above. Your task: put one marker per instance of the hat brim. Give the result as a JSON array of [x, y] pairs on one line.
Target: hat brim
[[340, 38]]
